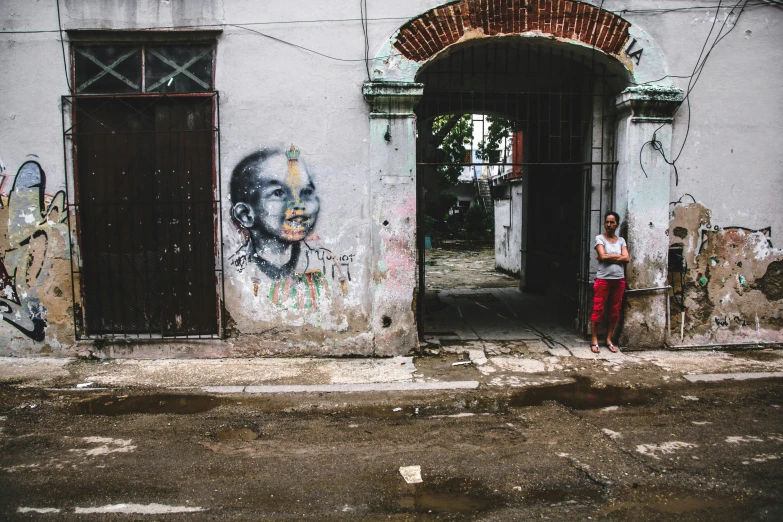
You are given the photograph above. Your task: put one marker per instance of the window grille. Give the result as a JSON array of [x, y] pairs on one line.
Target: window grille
[[147, 68]]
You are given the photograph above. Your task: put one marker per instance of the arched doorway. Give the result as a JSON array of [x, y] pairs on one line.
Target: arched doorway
[[640, 181], [542, 168]]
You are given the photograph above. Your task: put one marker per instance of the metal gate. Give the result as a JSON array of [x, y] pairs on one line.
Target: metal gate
[[146, 196], [558, 102]]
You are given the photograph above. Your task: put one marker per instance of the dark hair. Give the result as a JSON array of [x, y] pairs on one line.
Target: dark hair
[[242, 186], [615, 214]]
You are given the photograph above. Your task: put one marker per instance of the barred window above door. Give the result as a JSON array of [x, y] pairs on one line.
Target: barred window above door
[[147, 68]]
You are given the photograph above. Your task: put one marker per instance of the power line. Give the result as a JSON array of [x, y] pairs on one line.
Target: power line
[[297, 45], [757, 3], [62, 44], [693, 78], [201, 26], [365, 30]]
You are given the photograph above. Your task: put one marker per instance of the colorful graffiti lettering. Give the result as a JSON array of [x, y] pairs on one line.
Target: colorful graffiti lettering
[[275, 205], [35, 227]]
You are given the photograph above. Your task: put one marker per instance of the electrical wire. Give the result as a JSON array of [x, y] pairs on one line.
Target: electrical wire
[[354, 60], [202, 26], [365, 30], [62, 44], [693, 78], [757, 3]]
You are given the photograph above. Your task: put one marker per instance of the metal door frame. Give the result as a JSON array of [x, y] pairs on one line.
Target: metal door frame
[[70, 131], [599, 162]]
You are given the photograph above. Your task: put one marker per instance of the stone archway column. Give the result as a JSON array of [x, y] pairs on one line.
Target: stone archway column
[[393, 213], [642, 200]]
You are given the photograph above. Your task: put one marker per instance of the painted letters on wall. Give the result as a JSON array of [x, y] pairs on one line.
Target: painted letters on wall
[[36, 232]]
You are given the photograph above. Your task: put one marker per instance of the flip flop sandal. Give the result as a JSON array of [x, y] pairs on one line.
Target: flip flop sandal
[[612, 348], [595, 348]]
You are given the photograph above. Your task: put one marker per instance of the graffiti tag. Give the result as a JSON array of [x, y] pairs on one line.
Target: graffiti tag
[[35, 222]]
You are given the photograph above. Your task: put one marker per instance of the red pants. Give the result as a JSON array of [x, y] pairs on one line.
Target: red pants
[[607, 293]]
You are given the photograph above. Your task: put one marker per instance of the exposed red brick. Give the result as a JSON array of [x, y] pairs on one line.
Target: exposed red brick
[[489, 18], [522, 15], [496, 17], [419, 35], [588, 30], [470, 15], [425, 36], [557, 18], [447, 19], [464, 14], [403, 45], [619, 38], [579, 22], [483, 15], [506, 17], [598, 28], [546, 16], [434, 25], [532, 15], [568, 19], [610, 29]]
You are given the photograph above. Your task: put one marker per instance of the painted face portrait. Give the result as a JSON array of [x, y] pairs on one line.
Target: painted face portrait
[[280, 202]]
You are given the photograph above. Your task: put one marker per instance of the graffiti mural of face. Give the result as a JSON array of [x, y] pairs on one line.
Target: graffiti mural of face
[[286, 205], [276, 203]]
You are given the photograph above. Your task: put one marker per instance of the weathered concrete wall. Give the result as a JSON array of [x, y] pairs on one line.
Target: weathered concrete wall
[[725, 196], [732, 286], [273, 95]]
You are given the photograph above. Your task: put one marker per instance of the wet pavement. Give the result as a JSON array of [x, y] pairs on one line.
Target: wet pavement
[[580, 450], [465, 265], [507, 420], [467, 299]]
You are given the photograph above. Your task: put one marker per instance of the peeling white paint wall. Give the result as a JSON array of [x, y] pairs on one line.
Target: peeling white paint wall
[[272, 94]]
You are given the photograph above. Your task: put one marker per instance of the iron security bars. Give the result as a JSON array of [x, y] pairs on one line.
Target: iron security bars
[[557, 103], [146, 196]]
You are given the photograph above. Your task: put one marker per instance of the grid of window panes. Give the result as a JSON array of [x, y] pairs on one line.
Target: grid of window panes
[[160, 69]]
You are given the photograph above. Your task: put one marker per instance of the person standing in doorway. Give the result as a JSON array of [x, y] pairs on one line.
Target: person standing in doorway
[[609, 280]]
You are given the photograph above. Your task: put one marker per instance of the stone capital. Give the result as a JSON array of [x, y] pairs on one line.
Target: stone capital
[[650, 103], [392, 99]]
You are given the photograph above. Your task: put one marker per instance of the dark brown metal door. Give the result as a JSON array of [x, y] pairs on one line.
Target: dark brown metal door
[[146, 211]]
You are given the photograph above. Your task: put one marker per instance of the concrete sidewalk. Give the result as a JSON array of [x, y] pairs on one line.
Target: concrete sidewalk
[[467, 366]]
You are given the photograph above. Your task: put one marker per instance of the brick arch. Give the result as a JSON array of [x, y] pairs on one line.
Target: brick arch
[[425, 36]]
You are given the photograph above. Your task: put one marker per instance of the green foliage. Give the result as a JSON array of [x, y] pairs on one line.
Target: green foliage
[[499, 128], [453, 147], [479, 222]]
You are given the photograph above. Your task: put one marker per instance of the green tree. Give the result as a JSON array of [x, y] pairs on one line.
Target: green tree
[[499, 128], [455, 132]]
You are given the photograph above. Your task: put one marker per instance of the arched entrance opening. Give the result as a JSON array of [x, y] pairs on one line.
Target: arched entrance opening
[[528, 125], [590, 59]]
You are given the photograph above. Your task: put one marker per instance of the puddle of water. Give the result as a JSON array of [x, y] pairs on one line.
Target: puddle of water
[[674, 502], [580, 395], [759, 355], [149, 404], [236, 434], [451, 496], [559, 496]]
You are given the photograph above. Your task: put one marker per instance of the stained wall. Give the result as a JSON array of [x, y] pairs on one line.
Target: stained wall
[[274, 95]]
